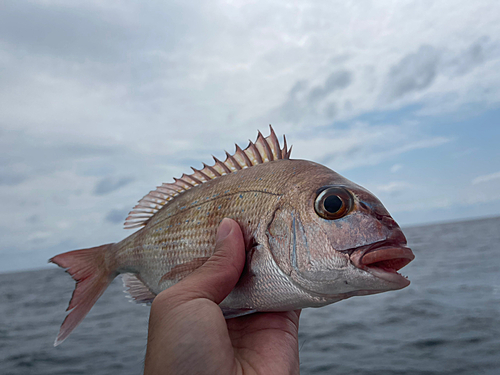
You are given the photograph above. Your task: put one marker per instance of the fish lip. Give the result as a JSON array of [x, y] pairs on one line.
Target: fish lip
[[383, 260]]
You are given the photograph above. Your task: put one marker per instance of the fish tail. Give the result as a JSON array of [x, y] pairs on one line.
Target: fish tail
[[90, 269]]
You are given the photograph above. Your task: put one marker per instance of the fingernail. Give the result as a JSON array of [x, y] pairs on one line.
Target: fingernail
[[225, 228]]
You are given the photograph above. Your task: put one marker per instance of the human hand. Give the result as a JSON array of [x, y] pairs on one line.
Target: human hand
[[189, 335]]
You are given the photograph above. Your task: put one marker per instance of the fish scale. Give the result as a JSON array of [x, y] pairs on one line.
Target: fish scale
[[300, 251], [185, 229]]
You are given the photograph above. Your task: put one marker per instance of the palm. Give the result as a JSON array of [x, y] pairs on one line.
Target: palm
[[189, 335], [266, 343]]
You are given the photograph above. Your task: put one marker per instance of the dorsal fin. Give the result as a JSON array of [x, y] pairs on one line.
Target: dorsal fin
[[262, 151]]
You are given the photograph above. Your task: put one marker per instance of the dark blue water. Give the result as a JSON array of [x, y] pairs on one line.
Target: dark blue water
[[446, 322]]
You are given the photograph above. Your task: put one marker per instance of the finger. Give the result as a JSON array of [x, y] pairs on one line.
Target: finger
[[216, 278]]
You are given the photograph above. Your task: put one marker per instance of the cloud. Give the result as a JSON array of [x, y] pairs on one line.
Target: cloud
[[33, 219], [117, 216], [291, 109], [110, 184], [10, 177], [486, 178], [466, 60], [336, 81], [396, 167], [305, 103], [416, 71], [27, 156], [62, 30], [393, 187], [361, 144], [86, 30], [95, 92]]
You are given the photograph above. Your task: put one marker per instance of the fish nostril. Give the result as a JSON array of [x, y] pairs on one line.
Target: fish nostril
[[389, 222], [364, 206]]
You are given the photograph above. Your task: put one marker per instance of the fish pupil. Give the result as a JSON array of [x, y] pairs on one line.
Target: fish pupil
[[332, 204]]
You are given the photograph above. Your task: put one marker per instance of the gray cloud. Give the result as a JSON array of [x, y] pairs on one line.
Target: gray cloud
[[34, 219], [471, 57], [117, 216], [28, 156], [291, 109], [303, 101], [110, 184], [11, 177], [84, 31], [418, 70], [414, 72], [336, 81], [62, 30]]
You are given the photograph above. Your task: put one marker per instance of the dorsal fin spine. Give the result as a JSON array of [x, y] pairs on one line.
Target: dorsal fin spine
[[167, 187], [158, 194], [235, 163], [142, 209], [134, 217], [243, 155], [200, 174], [269, 153], [275, 144], [134, 225], [221, 165], [196, 181], [153, 200], [283, 151], [166, 191], [256, 153], [188, 178], [180, 182], [262, 151], [211, 169]]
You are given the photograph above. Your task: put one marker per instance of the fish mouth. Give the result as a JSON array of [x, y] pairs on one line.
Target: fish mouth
[[384, 260]]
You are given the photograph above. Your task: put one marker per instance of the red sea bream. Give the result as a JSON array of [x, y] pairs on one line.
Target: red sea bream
[[312, 237]]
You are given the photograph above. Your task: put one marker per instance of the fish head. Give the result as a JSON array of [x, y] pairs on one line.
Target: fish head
[[341, 240]]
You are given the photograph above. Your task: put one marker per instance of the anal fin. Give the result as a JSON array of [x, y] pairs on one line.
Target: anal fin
[[234, 313], [136, 289]]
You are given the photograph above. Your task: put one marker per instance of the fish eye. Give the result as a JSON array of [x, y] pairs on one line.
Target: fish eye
[[333, 203]]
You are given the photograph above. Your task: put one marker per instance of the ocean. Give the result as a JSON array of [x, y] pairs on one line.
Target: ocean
[[446, 322]]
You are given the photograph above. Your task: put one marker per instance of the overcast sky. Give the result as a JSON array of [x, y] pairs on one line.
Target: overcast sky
[[102, 101]]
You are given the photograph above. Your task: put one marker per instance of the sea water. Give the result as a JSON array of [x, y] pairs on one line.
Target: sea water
[[446, 322]]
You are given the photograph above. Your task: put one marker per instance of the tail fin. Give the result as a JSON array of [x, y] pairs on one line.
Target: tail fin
[[88, 268]]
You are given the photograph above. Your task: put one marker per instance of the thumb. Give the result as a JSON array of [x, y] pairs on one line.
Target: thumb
[[215, 279]]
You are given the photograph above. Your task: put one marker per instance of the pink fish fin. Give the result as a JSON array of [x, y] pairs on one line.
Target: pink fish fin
[[231, 160], [263, 150], [136, 289], [221, 167], [88, 269], [242, 158], [180, 271], [234, 313], [275, 144], [284, 153]]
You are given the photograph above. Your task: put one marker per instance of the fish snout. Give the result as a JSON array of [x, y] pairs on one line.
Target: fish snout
[[385, 258]]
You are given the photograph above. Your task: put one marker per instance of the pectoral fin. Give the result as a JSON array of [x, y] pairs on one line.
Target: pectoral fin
[[182, 270]]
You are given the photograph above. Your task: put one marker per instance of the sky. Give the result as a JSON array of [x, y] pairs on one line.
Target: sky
[[100, 102]]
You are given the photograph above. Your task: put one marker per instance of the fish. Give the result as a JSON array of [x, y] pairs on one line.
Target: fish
[[312, 237]]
